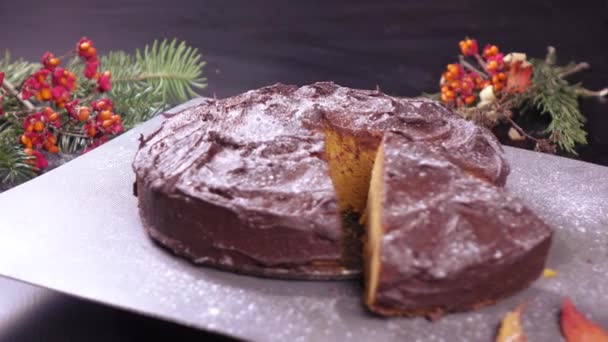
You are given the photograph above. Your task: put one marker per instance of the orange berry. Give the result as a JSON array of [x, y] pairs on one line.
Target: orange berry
[[84, 113], [444, 98], [105, 115], [450, 94], [48, 110], [54, 61], [39, 126], [116, 118], [29, 128], [495, 79], [84, 46], [45, 94], [449, 75], [92, 51], [492, 65], [28, 151], [469, 99], [452, 68], [490, 51], [455, 85], [498, 86], [52, 139], [53, 149], [54, 116], [92, 131], [502, 76], [106, 123], [445, 88], [26, 141]]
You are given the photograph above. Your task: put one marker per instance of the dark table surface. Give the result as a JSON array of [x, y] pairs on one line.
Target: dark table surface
[[401, 46]]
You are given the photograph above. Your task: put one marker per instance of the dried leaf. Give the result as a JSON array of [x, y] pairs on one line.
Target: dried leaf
[[511, 329], [577, 328], [519, 78]]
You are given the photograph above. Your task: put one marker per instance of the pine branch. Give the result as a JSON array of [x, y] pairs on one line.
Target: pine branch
[[172, 69], [161, 76], [554, 96]]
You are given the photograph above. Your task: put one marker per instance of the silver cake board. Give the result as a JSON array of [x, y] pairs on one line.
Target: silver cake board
[[76, 230]]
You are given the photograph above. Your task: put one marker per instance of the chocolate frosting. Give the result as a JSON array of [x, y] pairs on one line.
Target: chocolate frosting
[[450, 241], [242, 183]]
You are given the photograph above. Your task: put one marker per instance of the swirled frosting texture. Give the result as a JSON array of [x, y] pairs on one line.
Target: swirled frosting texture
[[243, 182]]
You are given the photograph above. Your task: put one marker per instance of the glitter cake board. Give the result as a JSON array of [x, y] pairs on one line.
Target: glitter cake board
[[94, 247]]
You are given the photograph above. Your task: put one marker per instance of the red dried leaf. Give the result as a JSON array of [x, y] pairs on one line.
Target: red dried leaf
[[511, 329], [577, 328], [519, 78]]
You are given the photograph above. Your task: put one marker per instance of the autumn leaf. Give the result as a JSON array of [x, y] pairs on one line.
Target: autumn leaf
[[519, 79], [511, 329], [577, 328]]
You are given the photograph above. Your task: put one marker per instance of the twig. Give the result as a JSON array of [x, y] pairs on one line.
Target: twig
[[592, 93], [470, 66], [550, 58], [10, 89], [521, 130], [574, 69]]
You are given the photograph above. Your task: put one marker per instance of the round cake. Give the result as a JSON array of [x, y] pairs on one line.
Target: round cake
[[272, 182]]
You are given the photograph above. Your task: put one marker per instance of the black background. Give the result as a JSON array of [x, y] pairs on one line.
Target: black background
[[401, 46]]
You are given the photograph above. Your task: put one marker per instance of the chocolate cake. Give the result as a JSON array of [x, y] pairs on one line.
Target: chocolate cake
[[441, 240], [259, 183]]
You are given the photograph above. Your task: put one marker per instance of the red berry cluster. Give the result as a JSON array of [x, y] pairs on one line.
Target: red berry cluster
[[56, 86], [99, 120], [87, 51], [39, 133], [460, 86], [495, 66]]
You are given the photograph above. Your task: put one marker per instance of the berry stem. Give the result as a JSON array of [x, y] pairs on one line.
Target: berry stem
[[10, 89], [470, 66], [480, 61], [71, 134]]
